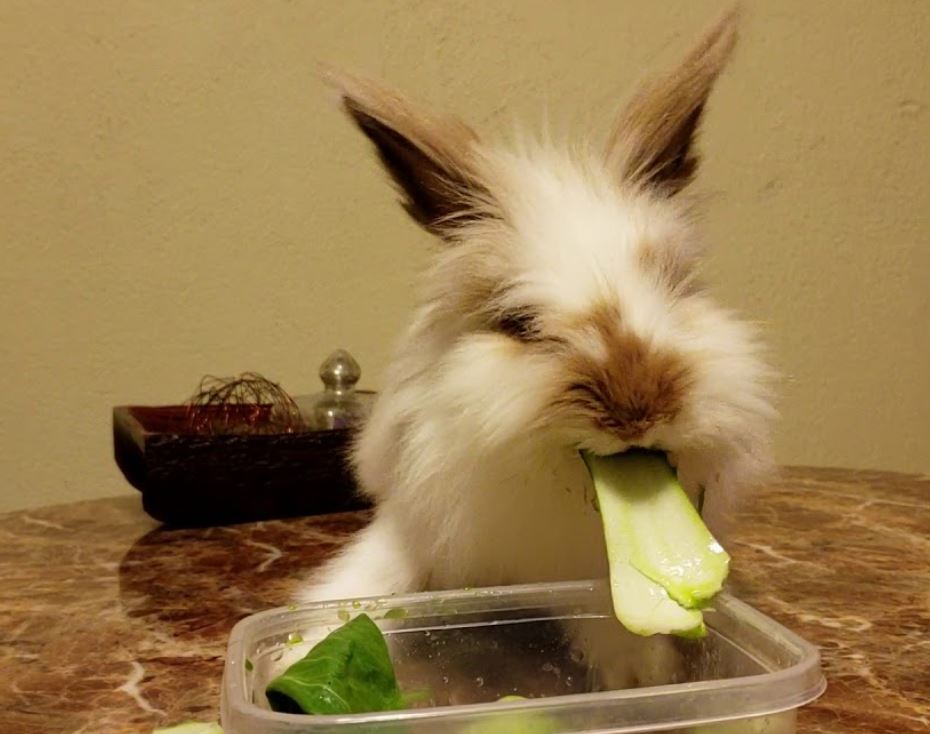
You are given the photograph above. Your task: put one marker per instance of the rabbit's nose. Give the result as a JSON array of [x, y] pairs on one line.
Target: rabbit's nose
[[630, 385], [632, 422], [641, 391]]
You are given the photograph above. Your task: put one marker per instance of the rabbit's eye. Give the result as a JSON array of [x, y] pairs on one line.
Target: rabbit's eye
[[519, 324]]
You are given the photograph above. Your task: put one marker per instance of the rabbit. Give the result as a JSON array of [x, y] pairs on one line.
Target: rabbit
[[564, 311]]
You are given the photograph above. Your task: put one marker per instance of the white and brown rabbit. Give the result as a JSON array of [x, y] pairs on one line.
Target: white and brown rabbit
[[562, 313]]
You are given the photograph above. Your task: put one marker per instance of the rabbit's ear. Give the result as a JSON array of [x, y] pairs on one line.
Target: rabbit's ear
[[653, 141], [430, 159]]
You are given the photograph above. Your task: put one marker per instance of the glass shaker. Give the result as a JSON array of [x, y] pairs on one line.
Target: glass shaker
[[340, 405]]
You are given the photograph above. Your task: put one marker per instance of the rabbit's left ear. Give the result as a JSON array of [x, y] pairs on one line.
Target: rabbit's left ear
[[652, 143]]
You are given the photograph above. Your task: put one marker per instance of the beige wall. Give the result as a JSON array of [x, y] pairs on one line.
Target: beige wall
[[178, 196]]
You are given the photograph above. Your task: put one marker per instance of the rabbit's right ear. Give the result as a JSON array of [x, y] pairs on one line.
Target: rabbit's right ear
[[430, 159], [653, 142]]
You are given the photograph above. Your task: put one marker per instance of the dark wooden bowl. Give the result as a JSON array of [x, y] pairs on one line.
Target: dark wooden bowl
[[192, 479]]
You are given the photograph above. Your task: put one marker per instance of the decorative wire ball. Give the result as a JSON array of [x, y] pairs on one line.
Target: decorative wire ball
[[247, 404]]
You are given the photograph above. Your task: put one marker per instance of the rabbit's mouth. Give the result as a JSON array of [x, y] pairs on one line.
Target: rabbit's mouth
[[610, 445], [606, 444], [696, 491]]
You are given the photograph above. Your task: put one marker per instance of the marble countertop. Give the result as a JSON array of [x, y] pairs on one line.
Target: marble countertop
[[110, 624]]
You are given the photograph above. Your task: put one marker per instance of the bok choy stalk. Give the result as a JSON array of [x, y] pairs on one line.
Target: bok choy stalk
[[664, 563]]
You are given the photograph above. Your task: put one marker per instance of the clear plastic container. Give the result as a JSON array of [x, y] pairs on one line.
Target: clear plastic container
[[557, 645]]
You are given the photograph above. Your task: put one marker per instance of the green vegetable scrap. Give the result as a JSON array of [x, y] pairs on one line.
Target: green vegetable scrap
[[191, 727], [664, 563], [412, 698], [348, 672], [516, 723], [773, 724]]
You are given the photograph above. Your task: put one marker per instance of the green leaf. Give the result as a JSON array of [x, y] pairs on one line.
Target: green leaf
[[348, 672]]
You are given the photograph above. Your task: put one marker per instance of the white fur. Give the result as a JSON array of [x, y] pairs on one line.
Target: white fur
[[473, 484]]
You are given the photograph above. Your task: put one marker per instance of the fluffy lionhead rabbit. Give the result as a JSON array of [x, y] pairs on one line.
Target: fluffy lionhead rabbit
[[563, 312]]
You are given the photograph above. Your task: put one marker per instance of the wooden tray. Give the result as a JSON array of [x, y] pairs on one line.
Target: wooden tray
[[192, 479]]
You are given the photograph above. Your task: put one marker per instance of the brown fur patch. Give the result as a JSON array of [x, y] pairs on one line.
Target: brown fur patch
[[638, 387]]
